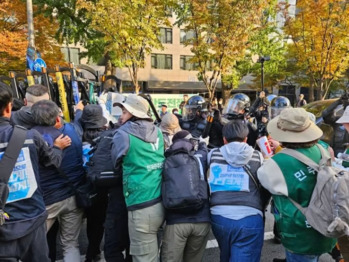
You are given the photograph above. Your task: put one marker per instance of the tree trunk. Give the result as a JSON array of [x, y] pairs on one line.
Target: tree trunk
[[311, 91], [108, 65], [319, 90], [226, 94]]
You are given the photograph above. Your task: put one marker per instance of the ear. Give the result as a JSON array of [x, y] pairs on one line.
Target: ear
[[25, 101], [7, 111], [225, 141], [58, 122]]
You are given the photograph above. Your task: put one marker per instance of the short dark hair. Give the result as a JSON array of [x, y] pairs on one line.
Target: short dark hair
[[5, 97], [37, 90], [45, 112], [299, 145], [235, 130]]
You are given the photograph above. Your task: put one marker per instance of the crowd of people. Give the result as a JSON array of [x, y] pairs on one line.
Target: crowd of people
[[157, 190]]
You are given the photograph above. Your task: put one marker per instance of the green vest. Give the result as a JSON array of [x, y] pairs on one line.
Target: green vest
[[142, 172], [296, 235]]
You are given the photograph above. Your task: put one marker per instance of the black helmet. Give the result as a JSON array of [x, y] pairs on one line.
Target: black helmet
[[237, 103], [195, 104], [278, 104]]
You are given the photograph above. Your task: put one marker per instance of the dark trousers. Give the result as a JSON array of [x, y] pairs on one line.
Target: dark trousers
[[116, 238], [95, 217], [30, 248]]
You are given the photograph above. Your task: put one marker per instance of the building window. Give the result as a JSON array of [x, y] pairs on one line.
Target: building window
[[165, 35], [71, 54], [186, 35], [185, 63], [160, 61]]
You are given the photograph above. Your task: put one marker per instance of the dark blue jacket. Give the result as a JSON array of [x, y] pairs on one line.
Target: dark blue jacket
[[56, 187], [203, 215], [28, 214]]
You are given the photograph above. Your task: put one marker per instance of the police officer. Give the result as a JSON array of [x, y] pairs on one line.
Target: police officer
[[278, 104], [194, 116], [238, 107]]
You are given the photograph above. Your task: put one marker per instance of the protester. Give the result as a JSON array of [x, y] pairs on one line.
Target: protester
[[186, 233], [292, 179], [169, 126], [23, 236], [23, 117], [57, 185], [138, 152], [94, 123], [236, 203]]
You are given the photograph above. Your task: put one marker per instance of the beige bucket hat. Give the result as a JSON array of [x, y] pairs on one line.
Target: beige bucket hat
[[170, 124], [293, 125], [136, 105], [345, 117]]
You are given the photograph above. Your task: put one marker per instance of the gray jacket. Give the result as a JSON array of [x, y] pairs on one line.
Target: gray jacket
[[237, 154]]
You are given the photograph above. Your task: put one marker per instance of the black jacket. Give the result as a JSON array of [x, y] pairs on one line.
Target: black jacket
[[203, 215], [28, 214]]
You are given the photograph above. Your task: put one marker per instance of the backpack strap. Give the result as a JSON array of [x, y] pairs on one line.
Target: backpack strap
[[202, 176], [325, 160], [248, 171], [302, 158], [12, 151], [8, 162]]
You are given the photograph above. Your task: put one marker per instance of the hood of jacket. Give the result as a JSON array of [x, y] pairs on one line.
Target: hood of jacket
[[237, 153], [142, 129], [180, 144], [23, 117]]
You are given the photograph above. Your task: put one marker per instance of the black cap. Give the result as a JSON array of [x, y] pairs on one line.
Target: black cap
[[184, 134], [92, 117]]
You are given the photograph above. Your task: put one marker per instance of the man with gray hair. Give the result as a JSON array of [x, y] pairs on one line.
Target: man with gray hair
[[58, 191], [23, 117]]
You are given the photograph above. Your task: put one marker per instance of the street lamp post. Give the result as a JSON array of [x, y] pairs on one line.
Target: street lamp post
[[261, 60]]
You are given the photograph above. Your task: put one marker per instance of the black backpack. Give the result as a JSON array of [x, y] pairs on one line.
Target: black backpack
[[184, 186], [100, 167]]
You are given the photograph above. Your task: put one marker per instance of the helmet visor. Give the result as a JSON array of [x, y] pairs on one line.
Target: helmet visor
[[234, 107], [275, 111], [189, 112]]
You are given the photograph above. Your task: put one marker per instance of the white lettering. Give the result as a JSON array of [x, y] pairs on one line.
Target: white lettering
[[300, 175]]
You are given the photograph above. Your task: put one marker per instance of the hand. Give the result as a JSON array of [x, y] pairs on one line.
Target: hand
[[205, 140], [80, 106], [62, 142], [273, 144]]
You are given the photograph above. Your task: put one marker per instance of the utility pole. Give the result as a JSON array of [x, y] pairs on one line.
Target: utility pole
[[261, 60], [30, 24]]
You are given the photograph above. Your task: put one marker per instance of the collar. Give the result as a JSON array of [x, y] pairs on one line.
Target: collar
[[4, 120]]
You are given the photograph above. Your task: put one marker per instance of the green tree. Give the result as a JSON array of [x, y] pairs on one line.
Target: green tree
[[74, 26], [129, 29], [267, 40], [320, 41], [221, 34]]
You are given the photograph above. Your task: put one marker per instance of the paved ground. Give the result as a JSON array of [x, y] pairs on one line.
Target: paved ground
[[270, 249]]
